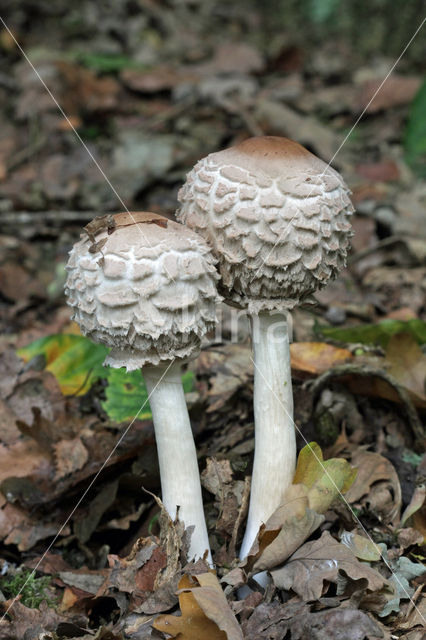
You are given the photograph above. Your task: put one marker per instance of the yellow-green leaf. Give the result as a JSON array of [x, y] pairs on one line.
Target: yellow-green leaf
[[75, 361], [325, 479]]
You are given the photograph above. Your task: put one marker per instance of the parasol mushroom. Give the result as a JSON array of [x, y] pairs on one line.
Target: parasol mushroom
[[146, 287], [276, 218]]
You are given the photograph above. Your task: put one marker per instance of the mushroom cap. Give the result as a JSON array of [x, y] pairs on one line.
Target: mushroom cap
[[144, 286], [275, 216]]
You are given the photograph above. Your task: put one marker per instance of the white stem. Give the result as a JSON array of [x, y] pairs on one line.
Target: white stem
[[275, 442], [180, 479]]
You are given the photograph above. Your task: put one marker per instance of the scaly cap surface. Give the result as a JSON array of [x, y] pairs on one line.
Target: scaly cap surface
[[276, 217], [145, 289]]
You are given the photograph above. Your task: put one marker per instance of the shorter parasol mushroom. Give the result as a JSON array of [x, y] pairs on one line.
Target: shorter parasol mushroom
[[145, 286]]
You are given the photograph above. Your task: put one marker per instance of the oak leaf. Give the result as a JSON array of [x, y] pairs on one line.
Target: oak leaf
[[205, 612]]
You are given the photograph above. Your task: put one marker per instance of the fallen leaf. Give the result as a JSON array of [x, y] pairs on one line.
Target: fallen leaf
[[276, 621], [229, 368], [31, 624], [23, 458], [10, 366], [335, 624], [325, 480], [218, 479], [205, 612], [233, 57], [25, 530], [9, 432], [363, 548], [161, 78], [84, 579], [288, 527], [316, 357], [125, 395], [407, 364], [375, 471], [138, 571], [70, 455], [417, 501], [397, 90], [18, 284], [385, 171], [403, 570], [316, 484], [75, 361], [319, 561], [417, 616], [409, 537]]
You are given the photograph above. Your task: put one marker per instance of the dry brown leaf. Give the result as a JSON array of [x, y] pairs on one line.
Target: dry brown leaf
[[277, 621], [23, 458], [228, 367], [375, 471], [9, 432], [31, 624], [86, 580], [18, 527], [384, 171], [319, 561], [218, 479], [410, 537], [336, 624], [288, 527], [205, 612], [363, 548], [407, 364], [70, 455], [417, 615], [317, 484], [395, 91], [416, 503], [138, 571]]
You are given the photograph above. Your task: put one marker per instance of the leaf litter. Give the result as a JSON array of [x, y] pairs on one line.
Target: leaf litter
[[118, 568]]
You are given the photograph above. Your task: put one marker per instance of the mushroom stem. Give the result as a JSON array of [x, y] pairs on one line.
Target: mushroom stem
[[275, 442], [180, 479]]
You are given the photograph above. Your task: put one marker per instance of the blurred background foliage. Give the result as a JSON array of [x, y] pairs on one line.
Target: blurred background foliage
[[369, 26]]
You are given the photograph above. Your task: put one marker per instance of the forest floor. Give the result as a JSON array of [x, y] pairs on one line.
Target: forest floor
[[149, 92]]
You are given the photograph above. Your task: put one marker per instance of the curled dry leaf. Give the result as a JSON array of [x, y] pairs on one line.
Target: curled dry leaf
[[323, 560], [288, 527], [205, 612], [375, 471], [416, 504], [408, 365], [316, 485]]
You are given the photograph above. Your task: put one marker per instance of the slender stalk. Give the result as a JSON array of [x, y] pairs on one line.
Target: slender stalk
[[275, 442], [180, 479]]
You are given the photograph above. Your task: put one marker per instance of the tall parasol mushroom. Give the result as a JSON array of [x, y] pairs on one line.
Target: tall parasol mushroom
[[276, 218]]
